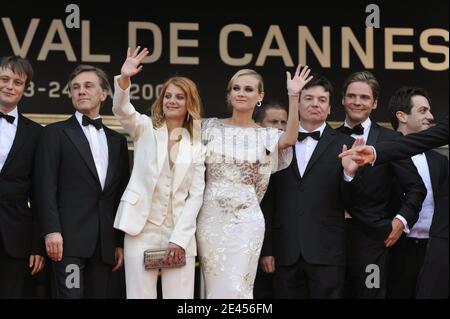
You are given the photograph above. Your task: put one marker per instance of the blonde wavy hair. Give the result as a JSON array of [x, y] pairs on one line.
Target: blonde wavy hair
[[193, 103]]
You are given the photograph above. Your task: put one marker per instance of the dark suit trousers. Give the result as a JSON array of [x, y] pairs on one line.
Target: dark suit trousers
[[12, 275], [405, 262], [365, 253], [303, 281], [263, 288], [433, 279], [78, 278]]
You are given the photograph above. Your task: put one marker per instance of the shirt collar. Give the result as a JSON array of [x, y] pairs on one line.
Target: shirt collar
[[320, 129], [79, 117], [14, 113], [366, 124]]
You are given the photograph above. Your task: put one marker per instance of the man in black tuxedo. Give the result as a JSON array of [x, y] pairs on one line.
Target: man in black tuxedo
[[20, 245], [410, 112], [304, 205], [377, 218], [433, 280], [82, 170], [274, 115]]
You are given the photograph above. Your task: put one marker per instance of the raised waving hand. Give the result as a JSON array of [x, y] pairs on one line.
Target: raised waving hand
[[296, 83], [131, 66]]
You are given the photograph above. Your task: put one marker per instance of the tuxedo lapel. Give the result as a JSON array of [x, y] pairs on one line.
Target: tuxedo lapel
[[327, 137], [433, 167], [183, 162], [373, 134], [79, 140], [161, 142], [294, 165], [113, 151], [19, 139]]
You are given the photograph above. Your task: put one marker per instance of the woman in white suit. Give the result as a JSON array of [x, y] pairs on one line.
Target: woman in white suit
[[159, 207]]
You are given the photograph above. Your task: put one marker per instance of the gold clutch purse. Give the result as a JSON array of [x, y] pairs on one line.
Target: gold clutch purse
[[156, 259]]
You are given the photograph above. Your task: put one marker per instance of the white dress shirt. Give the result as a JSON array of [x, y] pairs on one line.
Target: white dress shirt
[[305, 149], [98, 145], [421, 228], [7, 135]]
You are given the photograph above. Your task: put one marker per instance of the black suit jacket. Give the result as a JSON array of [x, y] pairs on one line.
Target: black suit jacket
[[412, 144], [69, 195], [305, 215], [18, 222], [438, 166], [378, 202]]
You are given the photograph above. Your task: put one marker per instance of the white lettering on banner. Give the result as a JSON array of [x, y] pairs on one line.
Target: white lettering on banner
[[282, 49], [391, 48], [57, 27], [365, 56], [176, 43], [21, 50], [427, 48], [55, 90], [156, 51], [86, 55], [223, 44], [305, 37]]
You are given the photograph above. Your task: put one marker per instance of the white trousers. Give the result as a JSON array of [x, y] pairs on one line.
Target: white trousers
[[177, 283]]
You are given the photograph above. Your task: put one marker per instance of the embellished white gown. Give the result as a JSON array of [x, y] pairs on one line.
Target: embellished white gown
[[230, 224]]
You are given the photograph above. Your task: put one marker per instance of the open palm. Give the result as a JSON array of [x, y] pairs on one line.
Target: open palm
[[132, 64], [349, 165], [296, 83]]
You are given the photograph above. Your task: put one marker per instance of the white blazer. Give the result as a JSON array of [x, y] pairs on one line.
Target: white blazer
[[150, 151]]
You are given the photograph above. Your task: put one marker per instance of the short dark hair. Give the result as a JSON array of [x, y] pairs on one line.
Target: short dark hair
[[365, 77], [19, 66], [320, 80], [260, 112], [401, 100], [104, 83]]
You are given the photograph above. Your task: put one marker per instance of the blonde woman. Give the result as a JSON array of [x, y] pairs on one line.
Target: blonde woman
[[240, 156], [159, 207]]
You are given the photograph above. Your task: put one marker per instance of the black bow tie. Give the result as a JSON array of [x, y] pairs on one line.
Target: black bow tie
[[9, 118], [357, 130], [302, 135], [97, 122]]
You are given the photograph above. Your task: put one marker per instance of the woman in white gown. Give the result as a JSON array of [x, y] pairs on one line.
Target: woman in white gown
[[240, 156]]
